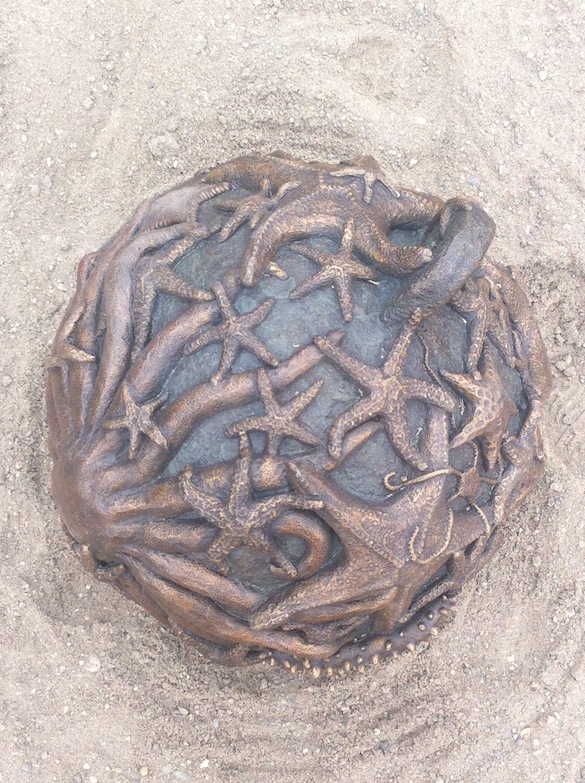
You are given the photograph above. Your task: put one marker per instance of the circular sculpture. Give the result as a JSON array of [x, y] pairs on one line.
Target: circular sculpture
[[290, 406]]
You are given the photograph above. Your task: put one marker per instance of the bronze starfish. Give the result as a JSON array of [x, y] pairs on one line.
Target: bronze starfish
[[490, 318], [389, 390], [64, 351], [137, 419], [367, 169], [252, 208], [156, 276], [526, 456], [326, 210], [338, 268], [234, 332], [493, 408], [470, 480], [243, 520], [279, 421]]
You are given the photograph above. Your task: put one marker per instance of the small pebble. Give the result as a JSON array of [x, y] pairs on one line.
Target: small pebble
[[143, 772], [93, 663], [88, 103], [542, 75], [204, 764], [419, 8], [6, 380], [383, 745]]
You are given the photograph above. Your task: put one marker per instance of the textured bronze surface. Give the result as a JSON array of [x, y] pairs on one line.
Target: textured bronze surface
[[290, 406]]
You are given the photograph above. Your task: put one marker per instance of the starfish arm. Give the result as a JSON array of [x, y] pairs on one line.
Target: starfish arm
[[151, 405], [134, 434], [344, 294], [212, 335], [242, 213], [264, 543], [257, 347], [223, 302], [269, 509], [266, 392], [463, 384], [67, 352], [115, 424], [362, 411], [477, 338], [220, 548], [396, 426], [472, 430], [318, 280], [348, 238], [363, 374], [241, 483], [429, 392], [283, 190], [295, 429], [314, 254], [303, 399], [229, 351], [252, 423], [155, 434], [207, 505], [258, 315], [170, 282], [399, 351], [491, 445]]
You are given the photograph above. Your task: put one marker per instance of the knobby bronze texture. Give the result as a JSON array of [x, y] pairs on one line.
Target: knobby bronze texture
[[290, 407]]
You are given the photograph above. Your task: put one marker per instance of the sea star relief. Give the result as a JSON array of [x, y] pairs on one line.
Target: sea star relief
[[291, 406]]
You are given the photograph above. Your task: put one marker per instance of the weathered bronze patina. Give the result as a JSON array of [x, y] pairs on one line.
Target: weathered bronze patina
[[290, 407]]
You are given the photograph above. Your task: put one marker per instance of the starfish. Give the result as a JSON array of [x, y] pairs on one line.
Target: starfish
[[338, 268], [243, 521], [378, 541], [389, 391], [367, 169], [137, 419], [64, 351], [470, 480], [279, 420], [490, 318], [252, 208], [326, 209], [493, 408], [235, 333], [526, 456], [156, 276]]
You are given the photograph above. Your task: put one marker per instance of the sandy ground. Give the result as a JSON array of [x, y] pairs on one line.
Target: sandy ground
[[105, 102]]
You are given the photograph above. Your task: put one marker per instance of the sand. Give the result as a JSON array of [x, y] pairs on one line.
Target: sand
[[103, 103]]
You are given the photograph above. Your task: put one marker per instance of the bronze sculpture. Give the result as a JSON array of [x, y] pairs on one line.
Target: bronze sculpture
[[290, 407]]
